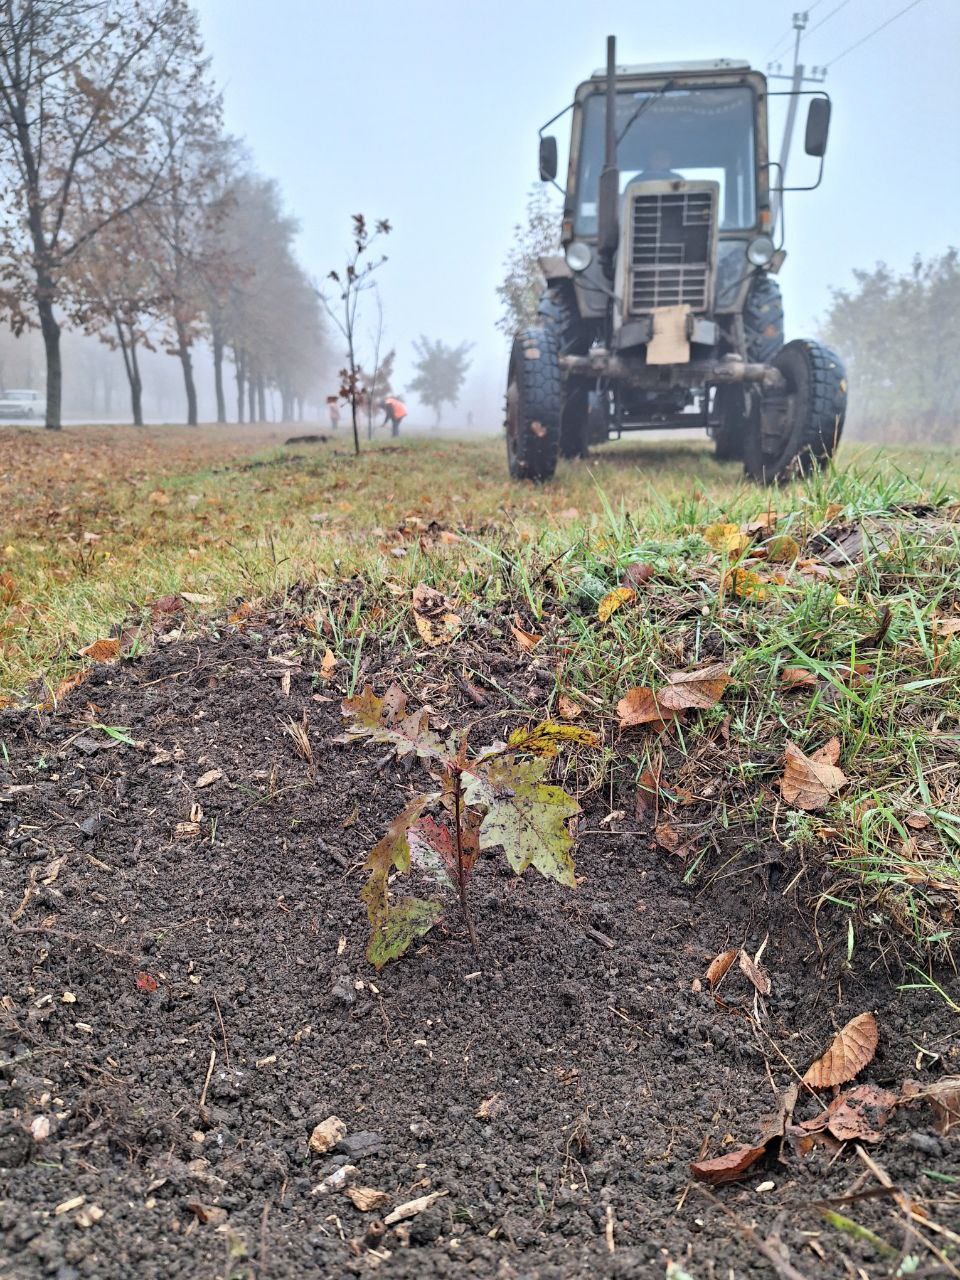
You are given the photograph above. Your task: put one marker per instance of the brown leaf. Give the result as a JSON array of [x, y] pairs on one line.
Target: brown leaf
[[726, 1168], [684, 691], [102, 650], [491, 1107], [852, 1048], [667, 837], [635, 575], [66, 685], [796, 677], [328, 666], [241, 613], [207, 779], [367, 1198], [435, 630], [757, 975], [568, 709], [860, 1113], [782, 550], [808, 782], [648, 792], [525, 639], [613, 601], [718, 966], [944, 1097]]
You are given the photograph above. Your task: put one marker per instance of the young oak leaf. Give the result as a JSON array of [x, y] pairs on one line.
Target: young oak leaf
[[399, 926], [850, 1050], [684, 691], [395, 925], [434, 843], [386, 720], [525, 816], [613, 601], [808, 782], [545, 739]]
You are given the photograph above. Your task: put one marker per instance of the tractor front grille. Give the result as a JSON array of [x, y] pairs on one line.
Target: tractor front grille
[[672, 247]]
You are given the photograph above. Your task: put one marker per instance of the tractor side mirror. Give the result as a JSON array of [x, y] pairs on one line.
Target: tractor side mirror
[[818, 127], [548, 159]]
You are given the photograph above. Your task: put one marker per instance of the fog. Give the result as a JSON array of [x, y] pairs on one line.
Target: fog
[[427, 114]]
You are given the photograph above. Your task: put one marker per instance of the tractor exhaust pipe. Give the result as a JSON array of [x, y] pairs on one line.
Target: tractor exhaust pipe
[[608, 198]]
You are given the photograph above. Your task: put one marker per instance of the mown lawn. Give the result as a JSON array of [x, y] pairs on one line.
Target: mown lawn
[[833, 606]]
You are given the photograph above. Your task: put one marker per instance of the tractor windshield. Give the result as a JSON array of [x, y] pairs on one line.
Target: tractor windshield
[[678, 133]]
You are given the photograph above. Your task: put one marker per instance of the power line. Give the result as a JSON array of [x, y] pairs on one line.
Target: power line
[[785, 39], [842, 5], [875, 31]]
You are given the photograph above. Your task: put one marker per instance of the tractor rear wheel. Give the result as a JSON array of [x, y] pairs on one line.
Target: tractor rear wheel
[[795, 430], [534, 404]]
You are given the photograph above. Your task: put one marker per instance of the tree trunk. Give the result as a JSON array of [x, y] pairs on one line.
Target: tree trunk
[[128, 345], [261, 399], [239, 362], [51, 347], [251, 398], [186, 362], [218, 375]]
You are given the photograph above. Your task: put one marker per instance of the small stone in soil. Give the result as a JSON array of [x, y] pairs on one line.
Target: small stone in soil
[[358, 1145]]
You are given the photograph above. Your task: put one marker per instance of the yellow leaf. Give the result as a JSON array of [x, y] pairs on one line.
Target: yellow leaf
[[840, 601], [725, 538], [746, 584], [613, 600], [782, 550], [544, 740]]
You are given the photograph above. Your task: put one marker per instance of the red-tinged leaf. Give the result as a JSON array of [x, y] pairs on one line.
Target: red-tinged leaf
[[434, 843], [718, 966], [851, 1050], [684, 691], [667, 837], [637, 575], [860, 1113], [146, 981], [727, 1168]]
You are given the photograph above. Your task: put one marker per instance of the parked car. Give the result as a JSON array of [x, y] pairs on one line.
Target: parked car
[[24, 403]]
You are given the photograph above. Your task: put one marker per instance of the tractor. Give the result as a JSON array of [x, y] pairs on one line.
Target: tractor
[[662, 311]]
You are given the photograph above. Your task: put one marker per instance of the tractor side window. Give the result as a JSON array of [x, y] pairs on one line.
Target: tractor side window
[[683, 133]]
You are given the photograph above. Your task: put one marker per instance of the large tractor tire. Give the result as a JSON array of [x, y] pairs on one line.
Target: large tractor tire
[[763, 333], [534, 404], [796, 430], [558, 310]]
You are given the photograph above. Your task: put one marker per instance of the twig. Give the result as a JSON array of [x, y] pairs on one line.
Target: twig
[[206, 1083], [223, 1030], [786, 1270]]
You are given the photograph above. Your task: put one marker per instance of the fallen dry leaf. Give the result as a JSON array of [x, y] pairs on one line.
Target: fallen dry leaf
[[491, 1107], [725, 538], [796, 677], [568, 709], [328, 666], [635, 575], [648, 793], [851, 1049], [436, 630], [726, 1168], [613, 601], [782, 550], [756, 973], [860, 1113], [207, 779], [367, 1199], [945, 626], [66, 685], [943, 1095], [746, 584], [718, 966], [326, 1135], [808, 782], [241, 613], [525, 639], [667, 837], [102, 650], [192, 598], [684, 691]]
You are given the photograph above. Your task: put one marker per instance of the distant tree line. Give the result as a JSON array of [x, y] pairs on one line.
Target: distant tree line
[[129, 214], [899, 335]]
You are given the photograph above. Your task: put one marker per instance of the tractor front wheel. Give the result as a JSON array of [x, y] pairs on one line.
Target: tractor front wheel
[[795, 430], [534, 405]]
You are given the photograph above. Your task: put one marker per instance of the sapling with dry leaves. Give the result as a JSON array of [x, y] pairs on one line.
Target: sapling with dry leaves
[[496, 798]]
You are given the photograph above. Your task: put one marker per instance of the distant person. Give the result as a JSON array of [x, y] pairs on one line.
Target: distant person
[[333, 409], [394, 412]]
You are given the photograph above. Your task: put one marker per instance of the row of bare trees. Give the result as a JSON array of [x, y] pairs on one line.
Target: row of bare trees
[[127, 212]]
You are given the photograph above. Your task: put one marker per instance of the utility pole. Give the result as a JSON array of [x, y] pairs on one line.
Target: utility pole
[[797, 80]]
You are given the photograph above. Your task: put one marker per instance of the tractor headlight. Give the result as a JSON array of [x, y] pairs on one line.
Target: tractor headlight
[[579, 255], [760, 251]]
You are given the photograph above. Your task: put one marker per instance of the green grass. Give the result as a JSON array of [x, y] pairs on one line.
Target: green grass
[[358, 535]]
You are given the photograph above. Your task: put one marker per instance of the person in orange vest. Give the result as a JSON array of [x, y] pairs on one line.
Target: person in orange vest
[[395, 411]]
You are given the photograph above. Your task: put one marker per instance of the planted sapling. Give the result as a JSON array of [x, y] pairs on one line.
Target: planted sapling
[[495, 799]]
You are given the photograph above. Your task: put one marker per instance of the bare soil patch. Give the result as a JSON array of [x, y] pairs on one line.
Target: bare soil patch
[[554, 1089]]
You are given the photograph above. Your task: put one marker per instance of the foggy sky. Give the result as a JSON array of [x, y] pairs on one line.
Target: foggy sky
[[427, 113]]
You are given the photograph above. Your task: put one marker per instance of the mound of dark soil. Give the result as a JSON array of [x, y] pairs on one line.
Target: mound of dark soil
[[185, 997]]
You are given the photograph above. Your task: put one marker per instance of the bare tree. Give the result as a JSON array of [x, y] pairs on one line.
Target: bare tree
[[353, 282], [523, 280], [78, 79]]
